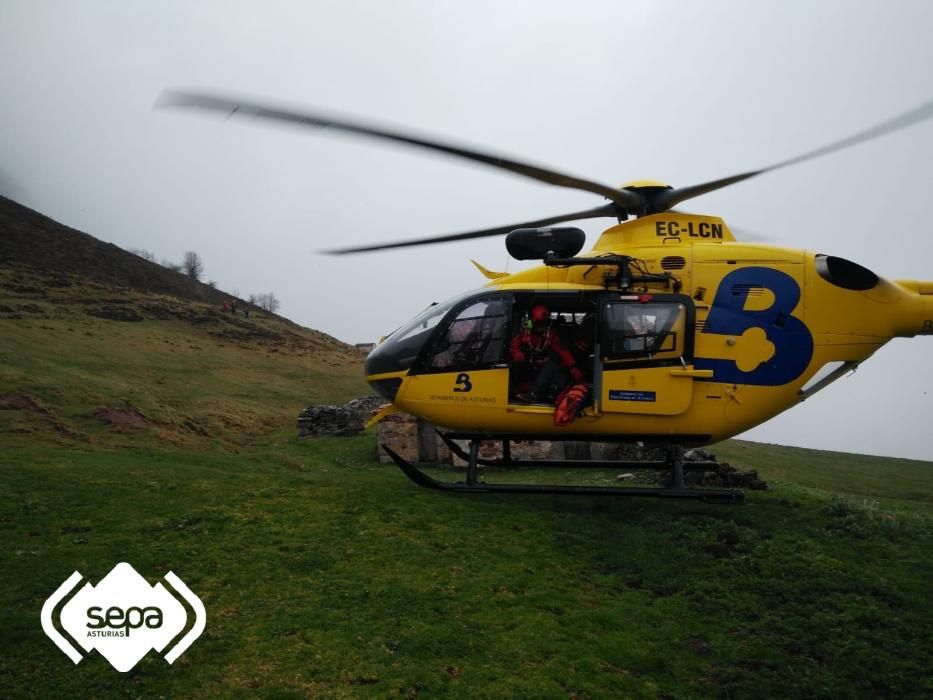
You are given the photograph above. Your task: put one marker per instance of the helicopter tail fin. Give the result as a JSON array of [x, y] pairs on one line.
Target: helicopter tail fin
[[489, 274]]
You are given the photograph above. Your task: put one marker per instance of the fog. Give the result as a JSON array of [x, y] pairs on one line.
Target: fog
[[679, 91]]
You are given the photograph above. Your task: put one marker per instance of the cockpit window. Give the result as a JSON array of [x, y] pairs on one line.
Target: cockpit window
[[474, 338], [633, 330]]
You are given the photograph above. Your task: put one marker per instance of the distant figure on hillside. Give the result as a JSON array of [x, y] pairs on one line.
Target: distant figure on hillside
[[226, 307], [234, 308]]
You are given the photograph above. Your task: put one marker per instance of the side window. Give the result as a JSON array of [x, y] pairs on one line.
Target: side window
[[475, 338], [639, 331]]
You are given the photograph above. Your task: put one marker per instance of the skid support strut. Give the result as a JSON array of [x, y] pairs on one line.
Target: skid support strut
[[472, 466], [472, 484], [675, 457]]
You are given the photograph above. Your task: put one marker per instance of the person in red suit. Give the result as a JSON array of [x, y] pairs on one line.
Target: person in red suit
[[540, 357]]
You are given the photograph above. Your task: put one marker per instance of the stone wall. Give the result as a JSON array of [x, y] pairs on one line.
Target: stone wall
[[413, 439], [345, 419], [492, 449]]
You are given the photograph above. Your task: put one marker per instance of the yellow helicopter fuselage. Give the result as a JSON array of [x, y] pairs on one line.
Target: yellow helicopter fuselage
[[750, 330]]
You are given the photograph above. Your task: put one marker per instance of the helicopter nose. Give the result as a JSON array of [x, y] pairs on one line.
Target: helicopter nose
[[385, 366], [387, 388]]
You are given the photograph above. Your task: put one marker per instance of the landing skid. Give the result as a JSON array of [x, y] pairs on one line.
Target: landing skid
[[674, 462]]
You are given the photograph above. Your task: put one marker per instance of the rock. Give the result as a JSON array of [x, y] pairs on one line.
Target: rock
[[719, 474], [346, 419], [400, 432], [367, 404], [526, 449], [700, 647], [627, 452], [329, 420], [624, 477], [116, 313], [572, 449]]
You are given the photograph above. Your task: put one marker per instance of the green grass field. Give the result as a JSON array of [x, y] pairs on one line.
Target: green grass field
[[326, 574], [168, 443]]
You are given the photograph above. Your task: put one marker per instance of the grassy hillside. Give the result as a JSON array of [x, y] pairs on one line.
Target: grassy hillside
[[899, 483], [140, 423], [93, 336], [87, 349]]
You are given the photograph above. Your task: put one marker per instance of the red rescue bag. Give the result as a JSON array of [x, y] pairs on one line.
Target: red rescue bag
[[570, 403]]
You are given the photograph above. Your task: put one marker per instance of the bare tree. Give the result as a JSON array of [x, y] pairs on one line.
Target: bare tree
[[192, 265], [144, 254], [267, 302]]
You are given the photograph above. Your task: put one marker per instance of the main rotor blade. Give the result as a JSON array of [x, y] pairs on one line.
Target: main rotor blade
[[632, 202], [668, 198], [605, 210]]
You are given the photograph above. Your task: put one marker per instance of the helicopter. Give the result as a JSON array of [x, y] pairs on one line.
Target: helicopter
[[692, 335]]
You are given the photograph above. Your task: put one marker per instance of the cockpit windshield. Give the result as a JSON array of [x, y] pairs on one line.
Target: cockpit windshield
[[398, 351], [424, 321]]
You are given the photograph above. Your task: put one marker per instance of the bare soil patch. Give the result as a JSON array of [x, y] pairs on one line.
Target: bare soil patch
[[128, 417]]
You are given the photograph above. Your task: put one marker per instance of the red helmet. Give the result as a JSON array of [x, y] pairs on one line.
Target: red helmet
[[540, 313]]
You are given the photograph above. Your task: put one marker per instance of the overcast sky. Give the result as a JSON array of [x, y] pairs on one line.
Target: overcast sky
[[612, 91]]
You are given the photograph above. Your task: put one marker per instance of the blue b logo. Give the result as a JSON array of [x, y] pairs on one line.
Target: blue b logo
[[793, 344], [463, 383]]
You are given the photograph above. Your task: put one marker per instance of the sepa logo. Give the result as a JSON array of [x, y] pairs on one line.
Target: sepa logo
[[123, 617]]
